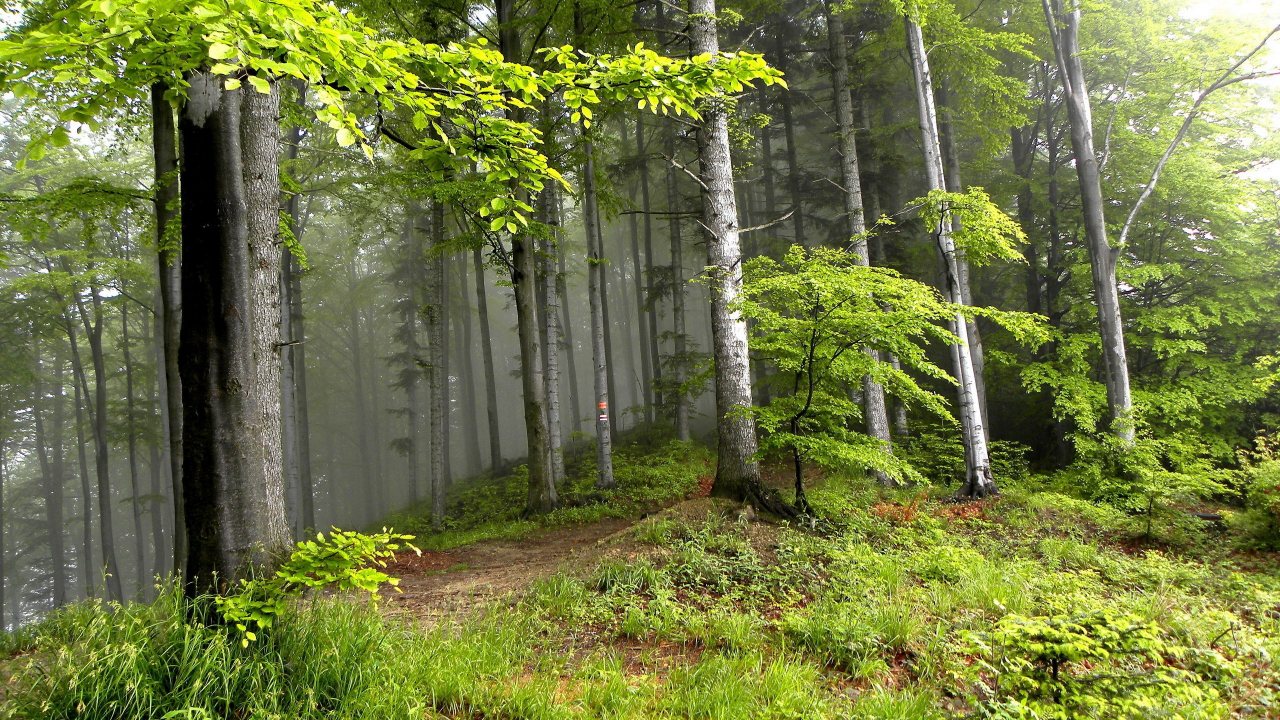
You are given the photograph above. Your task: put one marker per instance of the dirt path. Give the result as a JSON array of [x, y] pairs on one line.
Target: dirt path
[[450, 583]]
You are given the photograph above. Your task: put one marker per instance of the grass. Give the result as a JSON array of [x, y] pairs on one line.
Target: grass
[[648, 476], [889, 614]]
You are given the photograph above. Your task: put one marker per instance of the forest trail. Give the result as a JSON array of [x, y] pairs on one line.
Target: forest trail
[[445, 584]]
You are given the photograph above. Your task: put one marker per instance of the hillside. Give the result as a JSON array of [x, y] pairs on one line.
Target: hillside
[[897, 604]]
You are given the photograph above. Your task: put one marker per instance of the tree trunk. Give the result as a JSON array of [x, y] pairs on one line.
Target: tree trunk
[[978, 481], [737, 473], [646, 302], [486, 354], [437, 379], [164, 134], [1064, 32], [295, 419], [260, 143], [135, 484], [86, 494], [235, 515], [793, 159], [875, 412], [550, 202], [466, 374], [570, 347], [599, 341], [51, 475], [372, 486], [951, 172], [679, 366], [101, 449]]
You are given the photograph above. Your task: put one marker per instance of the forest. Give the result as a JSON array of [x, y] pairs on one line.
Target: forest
[[554, 359]]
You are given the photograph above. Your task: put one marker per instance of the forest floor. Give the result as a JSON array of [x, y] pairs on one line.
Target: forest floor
[[653, 601]]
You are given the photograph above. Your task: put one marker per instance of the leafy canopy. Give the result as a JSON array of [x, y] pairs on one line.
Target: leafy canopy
[[95, 59]]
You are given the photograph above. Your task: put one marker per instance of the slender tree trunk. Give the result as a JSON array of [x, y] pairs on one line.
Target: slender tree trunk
[[290, 453], [51, 475], [438, 378], [679, 366], [570, 347], [86, 494], [486, 355], [101, 448], [551, 334], [1022, 150], [469, 401], [647, 302], [164, 141], [599, 322], [793, 158], [157, 456], [135, 484], [951, 160], [4, 559], [360, 400], [978, 482], [875, 412], [295, 419], [646, 370], [1064, 32], [737, 473]]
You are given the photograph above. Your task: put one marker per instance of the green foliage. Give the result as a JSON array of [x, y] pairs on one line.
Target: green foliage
[[344, 561], [983, 232], [820, 317], [1097, 664], [99, 56], [1260, 474]]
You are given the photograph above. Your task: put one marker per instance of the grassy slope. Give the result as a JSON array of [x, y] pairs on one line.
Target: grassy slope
[[883, 614]]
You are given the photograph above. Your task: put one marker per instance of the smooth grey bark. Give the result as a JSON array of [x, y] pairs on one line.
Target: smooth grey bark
[[951, 161], [1023, 141], [644, 380], [737, 472], [550, 202], [486, 356], [1064, 33], [679, 367], [437, 377], [131, 442], [875, 413], [599, 322], [164, 143], [50, 474], [978, 479]]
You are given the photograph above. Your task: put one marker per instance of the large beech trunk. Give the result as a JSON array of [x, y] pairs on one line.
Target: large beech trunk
[[737, 472], [978, 479], [1064, 29], [228, 355]]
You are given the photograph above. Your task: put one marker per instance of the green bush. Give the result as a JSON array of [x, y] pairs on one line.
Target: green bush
[[1097, 664]]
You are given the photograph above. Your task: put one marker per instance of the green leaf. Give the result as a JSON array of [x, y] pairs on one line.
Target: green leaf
[[221, 51]]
